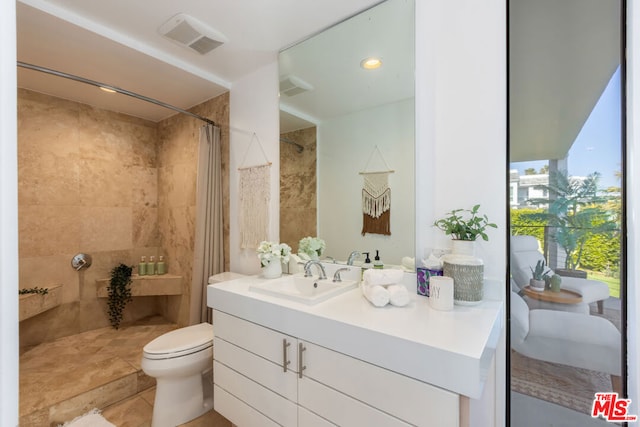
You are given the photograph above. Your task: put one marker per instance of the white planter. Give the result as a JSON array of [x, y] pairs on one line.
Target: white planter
[[537, 285], [273, 270], [467, 272]]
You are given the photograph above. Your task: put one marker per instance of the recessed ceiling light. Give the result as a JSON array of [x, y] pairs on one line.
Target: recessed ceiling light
[[106, 89], [371, 63]]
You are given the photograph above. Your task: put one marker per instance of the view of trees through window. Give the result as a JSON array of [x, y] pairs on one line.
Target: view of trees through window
[[579, 216]]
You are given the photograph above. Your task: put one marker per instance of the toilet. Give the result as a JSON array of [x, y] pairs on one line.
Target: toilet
[[181, 361]]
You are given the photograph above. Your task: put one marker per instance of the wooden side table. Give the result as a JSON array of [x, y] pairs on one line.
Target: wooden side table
[[563, 297]]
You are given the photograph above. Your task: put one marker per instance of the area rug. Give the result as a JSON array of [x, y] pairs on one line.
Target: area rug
[[90, 419], [573, 388]]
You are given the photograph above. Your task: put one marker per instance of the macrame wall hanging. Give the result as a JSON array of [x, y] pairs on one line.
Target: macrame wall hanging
[[255, 194], [376, 199]]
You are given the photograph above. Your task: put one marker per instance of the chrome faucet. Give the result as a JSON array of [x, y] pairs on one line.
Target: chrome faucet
[[307, 269], [352, 256], [336, 275]]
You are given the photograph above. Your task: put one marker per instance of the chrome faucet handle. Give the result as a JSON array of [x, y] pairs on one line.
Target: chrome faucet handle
[[307, 269], [336, 275], [352, 256]]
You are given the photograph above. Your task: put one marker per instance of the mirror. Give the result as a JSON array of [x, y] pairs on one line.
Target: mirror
[[566, 187], [339, 119]]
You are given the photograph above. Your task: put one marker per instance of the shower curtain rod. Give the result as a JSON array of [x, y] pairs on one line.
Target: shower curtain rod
[[114, 88]]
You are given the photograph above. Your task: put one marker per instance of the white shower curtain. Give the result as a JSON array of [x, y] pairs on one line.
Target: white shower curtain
[[209, 251]]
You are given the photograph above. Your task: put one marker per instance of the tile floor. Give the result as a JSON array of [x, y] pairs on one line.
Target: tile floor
[[100, 369]]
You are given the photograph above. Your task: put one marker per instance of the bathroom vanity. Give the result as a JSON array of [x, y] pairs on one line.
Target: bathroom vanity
[[344, 362]]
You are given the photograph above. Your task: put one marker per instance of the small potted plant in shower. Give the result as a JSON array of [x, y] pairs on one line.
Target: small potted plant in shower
[[119, 290], [311, 248]]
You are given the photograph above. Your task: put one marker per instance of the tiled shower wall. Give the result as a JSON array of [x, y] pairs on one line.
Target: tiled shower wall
[[88, 182], [298, 187]]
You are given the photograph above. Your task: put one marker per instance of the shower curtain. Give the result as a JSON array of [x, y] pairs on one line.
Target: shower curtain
[[209, 252]]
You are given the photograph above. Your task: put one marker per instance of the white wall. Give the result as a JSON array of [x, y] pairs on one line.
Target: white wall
[[345, 144], [254, 109], [633, 207], [461, 131], [8, 219]]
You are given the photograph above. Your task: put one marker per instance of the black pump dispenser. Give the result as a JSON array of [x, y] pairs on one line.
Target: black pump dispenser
[[377, 258], [367, 260]]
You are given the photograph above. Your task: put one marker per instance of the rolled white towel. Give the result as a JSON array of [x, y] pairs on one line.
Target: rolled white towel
[[409, 263], [398, 295], [377, 295], [385, 276]]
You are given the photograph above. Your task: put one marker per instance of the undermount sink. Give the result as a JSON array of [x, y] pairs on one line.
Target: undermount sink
[[308, 290]]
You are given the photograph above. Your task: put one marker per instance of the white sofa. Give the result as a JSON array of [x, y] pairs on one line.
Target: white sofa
[[524, 255], [573, 339]]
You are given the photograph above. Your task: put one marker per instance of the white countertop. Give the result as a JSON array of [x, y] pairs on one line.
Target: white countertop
[[452, 350]]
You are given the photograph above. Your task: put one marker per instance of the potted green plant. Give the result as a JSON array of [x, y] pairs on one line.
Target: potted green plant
[[119, 290], [465, 226], [538, 276], [554, 283]]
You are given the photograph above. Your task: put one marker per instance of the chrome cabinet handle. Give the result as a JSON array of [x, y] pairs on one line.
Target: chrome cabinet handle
[[285, 362], [301, 368]]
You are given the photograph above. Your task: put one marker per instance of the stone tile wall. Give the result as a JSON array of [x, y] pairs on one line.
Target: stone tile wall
[[298, 187], [89, 182]]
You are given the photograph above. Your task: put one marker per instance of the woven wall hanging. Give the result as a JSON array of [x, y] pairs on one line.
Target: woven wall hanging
[[255, 194], [376, 200]]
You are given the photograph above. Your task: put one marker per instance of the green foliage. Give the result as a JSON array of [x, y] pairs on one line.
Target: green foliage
[[36, 290], [577, 212], [528, 222], [601, 253], [119, 293], [465, 224], [539, 272]]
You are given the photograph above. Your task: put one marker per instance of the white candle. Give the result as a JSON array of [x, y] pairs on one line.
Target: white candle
[[441, 292]]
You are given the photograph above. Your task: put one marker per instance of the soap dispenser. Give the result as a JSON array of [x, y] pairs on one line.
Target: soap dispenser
[[367, 263], [161, 267], [151, 266], [142, 266], [376, 261]]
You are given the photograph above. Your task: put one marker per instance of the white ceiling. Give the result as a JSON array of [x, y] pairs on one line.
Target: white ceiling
[[562, 55], [116, 42], [385, 31]]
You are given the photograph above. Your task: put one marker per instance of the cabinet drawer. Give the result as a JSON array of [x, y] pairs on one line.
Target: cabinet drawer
[[238, 412], [257, 339], [341, 409], [258, 369], [416, 402], [265, 401]]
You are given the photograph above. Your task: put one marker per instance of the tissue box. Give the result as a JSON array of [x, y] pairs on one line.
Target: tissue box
[[423, 275]]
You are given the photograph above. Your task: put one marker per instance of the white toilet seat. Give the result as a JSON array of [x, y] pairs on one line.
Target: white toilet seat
[[180, 342]]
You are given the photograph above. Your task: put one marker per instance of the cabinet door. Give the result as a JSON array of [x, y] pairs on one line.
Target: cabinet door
[[249, 363], [256, 339], [266, 401], [260, 370], [238, 412], [410, 400]]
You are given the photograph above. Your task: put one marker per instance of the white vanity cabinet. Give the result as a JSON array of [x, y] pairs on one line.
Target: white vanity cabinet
[[253, 388]]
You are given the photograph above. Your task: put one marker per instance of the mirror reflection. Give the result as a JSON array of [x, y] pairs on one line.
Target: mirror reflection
[[341, 118], [566, 209]]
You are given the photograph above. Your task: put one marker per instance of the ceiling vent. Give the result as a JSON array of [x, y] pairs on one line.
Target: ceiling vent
[[292, 85], [191, 33]]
